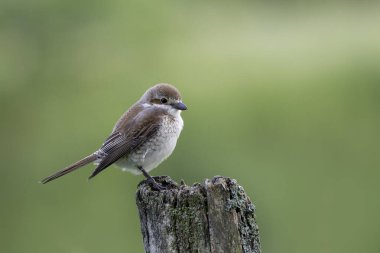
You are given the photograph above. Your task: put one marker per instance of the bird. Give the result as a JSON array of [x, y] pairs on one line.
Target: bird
[[144, 136]]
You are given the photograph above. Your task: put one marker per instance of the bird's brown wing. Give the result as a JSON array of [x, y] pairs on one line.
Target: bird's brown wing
[[127, 138]]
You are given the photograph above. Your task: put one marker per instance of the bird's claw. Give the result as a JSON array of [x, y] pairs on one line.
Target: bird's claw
[[156, 186]]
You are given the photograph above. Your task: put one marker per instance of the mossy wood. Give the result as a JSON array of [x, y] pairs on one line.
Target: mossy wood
[[216, 216]]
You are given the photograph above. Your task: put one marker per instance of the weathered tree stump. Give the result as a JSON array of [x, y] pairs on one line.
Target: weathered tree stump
[[216, 216]]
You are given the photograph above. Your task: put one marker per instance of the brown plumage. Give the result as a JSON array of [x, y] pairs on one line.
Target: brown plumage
[[143, 137]]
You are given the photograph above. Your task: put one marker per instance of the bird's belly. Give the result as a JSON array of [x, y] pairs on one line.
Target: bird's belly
[[154, 156], [152, 153]]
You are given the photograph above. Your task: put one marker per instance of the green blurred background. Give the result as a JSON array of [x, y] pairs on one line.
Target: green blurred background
[[282, 96]]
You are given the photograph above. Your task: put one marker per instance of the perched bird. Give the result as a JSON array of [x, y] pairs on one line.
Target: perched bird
[[144, 136]]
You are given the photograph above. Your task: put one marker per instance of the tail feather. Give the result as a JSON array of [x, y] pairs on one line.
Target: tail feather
[[71, 168]]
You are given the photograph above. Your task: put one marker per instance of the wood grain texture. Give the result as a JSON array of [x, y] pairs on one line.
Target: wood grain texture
[[213, 217]]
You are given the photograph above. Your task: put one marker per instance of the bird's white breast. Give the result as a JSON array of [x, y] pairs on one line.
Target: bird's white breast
[[157, 149]]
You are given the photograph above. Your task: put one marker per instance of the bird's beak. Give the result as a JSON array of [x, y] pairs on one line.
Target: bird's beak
[[180, 106]]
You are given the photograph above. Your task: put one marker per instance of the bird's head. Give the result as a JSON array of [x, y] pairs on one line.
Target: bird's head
[[165, 96]]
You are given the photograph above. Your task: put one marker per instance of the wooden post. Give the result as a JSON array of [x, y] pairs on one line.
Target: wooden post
[[214, 217]]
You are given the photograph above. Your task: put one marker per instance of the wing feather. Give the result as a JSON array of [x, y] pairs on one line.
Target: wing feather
[[123, 141]]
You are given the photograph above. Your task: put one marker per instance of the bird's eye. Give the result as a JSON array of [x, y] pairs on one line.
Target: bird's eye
[[164, 100]]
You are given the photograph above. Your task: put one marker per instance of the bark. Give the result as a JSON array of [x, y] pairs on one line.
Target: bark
[[216, 216]]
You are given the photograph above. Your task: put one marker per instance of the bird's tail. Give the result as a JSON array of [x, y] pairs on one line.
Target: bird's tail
[[71, 168]]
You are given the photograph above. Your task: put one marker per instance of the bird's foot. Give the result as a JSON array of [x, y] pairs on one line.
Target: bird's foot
[[155, 186]]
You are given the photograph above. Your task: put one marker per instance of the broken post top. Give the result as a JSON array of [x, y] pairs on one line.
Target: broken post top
[[215, 216]]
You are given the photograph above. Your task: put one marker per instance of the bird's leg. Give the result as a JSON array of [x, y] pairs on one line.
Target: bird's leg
[[151, 180]]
